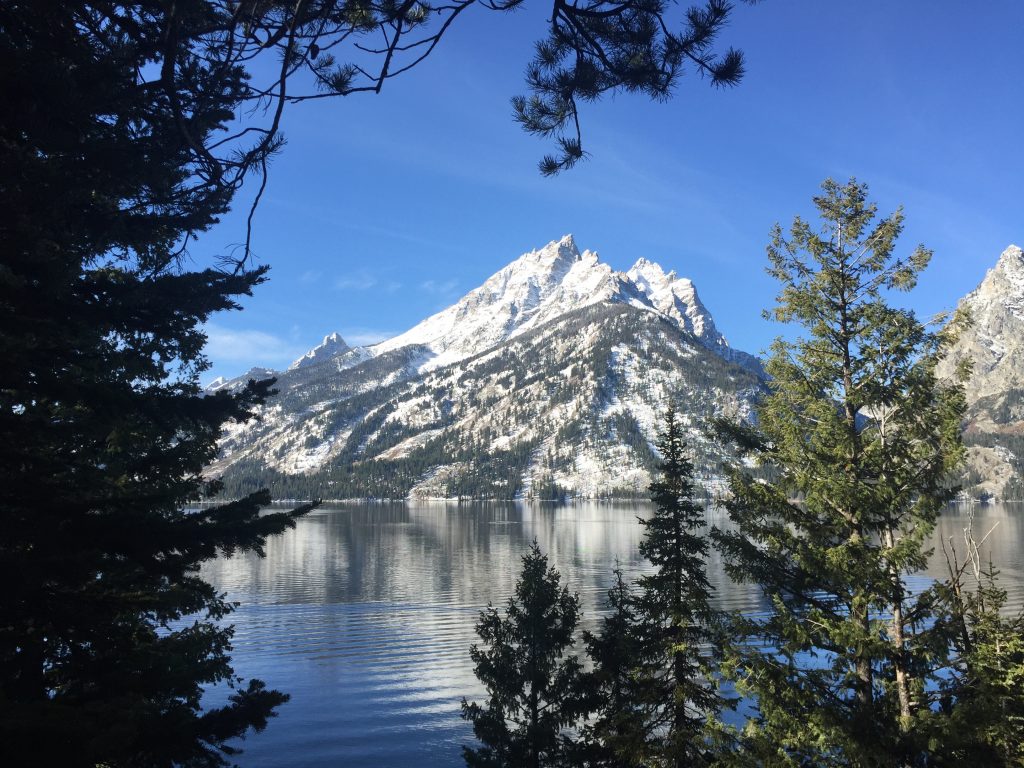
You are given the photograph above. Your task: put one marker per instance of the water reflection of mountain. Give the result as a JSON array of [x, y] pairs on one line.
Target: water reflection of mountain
[[466, 554], [365, 613]]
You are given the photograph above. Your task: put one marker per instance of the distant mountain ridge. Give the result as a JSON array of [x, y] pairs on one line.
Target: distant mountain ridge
[[994, 345], [535, 288], [332, 346], [547, 380]]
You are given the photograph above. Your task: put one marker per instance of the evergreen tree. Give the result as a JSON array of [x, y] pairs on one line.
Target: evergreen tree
[[983, 696], [104, 430], [535, 691], [860, 439], [121, 144], [675, 612], [655, 677], [614, 736]]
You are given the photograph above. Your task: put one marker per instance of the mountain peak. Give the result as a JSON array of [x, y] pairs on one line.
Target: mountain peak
[[1006, 276], [993, 342], [1012, 252], [539, 286], [555, 256], [1011, 259], [332, 345], [568, 241]]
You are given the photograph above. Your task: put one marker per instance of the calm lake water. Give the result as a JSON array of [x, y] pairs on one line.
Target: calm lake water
[[365, 614]]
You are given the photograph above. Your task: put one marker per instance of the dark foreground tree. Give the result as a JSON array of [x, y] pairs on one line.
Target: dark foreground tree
[[654, 669], [104, 430], [535, 690], [862, 439], [616, 734], [127, 130], [676, 617]]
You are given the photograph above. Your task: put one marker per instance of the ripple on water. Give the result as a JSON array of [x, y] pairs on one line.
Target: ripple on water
[[365, 614]]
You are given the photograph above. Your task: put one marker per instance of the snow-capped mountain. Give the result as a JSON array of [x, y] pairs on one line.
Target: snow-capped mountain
[[534, 289], [548, 379], [994, 345], [332, 346], [253, 373]]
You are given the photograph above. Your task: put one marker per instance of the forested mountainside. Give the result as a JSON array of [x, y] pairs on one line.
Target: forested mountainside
[[547, 381]]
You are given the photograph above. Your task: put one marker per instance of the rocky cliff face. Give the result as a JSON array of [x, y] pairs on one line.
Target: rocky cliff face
[[549, 380], [994, 345]]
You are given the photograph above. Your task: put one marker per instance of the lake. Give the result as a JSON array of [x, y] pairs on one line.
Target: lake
[[365, 613]]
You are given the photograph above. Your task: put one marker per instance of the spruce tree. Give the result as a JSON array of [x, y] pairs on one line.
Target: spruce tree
[[535, 690], [653, 668], [859, 439], [616, 733], [676, 616]]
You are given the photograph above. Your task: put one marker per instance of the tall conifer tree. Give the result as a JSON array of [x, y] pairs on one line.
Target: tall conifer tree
[[675, 611], [862, 439], [617, 732], [127, 130], [104, 429], [656, 680], [535, 689]]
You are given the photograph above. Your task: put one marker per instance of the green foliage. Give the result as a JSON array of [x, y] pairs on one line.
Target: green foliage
[[601, 47], [618, 732], [654, 674], [983, 696], [109, 636], [862, 439], [535, 691]]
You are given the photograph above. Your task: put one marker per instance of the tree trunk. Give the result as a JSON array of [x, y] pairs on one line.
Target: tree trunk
[[899, 653]]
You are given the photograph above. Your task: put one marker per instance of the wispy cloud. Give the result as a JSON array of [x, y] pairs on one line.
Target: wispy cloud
[[439, 287], [361, 337], [310, 276], [249, 347], [360, 280]]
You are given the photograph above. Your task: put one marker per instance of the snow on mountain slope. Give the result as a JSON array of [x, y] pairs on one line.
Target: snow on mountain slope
[[332, 346], [994, 345], [536, 287], [540, 286], [994, 342], [570, 407], [550, 379], [239, 381], [675, 297]]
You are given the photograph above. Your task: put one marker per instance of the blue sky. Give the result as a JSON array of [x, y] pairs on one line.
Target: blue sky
[[384, 209]]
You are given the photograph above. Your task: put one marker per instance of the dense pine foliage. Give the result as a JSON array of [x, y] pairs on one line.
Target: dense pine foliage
[[851, 666], [651, 697], [104, 429], [534, 686]]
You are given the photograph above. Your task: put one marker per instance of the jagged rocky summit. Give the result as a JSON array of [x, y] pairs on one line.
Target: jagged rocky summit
[[994, 345], [549, 380], [332, 346]]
